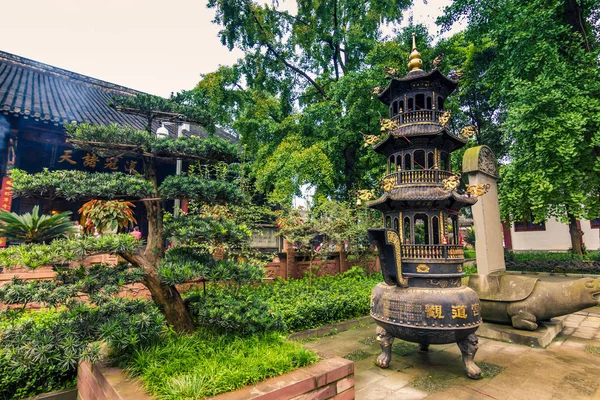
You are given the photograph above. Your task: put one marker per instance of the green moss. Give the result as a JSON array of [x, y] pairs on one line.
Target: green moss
[[595, 350], [402, 348], [358, 355], [489, 370], [369, 340], [434, 382], [206, 364]]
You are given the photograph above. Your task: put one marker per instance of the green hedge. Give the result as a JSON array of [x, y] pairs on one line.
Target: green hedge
[[543, 261], [301, 306]]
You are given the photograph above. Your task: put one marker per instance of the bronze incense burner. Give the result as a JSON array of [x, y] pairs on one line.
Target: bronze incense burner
[[422, 299]]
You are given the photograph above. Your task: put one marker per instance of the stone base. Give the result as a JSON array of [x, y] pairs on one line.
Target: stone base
[[541, 337]]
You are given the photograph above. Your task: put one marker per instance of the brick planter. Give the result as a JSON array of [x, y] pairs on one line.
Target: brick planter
[[331, 378]]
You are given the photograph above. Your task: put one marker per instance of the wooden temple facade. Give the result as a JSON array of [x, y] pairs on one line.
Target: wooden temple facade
[[36, 100]]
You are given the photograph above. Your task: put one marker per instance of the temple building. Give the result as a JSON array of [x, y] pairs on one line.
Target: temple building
[[36, 100]]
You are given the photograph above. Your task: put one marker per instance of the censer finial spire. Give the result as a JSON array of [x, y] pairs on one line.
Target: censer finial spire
[[414, 60]]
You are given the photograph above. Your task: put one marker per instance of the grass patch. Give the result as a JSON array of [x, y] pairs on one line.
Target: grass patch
[[489, 370], [205, 364], [369, 340], [595, 350], [402, 348], [358, 355], [434, 382]]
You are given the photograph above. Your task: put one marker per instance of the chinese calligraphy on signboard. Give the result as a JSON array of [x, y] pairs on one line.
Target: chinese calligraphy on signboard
[[93, 161]]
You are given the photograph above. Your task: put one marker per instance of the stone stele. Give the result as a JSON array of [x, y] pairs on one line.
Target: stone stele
[[479, 164]]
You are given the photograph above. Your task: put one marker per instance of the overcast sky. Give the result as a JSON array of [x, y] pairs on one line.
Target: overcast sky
[[155, 46]]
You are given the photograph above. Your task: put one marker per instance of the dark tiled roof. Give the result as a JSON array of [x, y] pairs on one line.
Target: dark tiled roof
[[45, 93]]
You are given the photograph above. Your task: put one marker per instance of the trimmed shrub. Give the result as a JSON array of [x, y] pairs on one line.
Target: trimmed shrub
[[540, 261], [301, 306], [240, 314]]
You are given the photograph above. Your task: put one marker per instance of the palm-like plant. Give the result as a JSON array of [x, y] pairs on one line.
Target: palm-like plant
[[35, 228]]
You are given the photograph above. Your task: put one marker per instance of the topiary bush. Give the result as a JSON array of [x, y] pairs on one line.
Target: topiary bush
[[239, 314]]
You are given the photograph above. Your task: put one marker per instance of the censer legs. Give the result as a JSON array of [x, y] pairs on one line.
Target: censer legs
[[468, 347], [385, 341]]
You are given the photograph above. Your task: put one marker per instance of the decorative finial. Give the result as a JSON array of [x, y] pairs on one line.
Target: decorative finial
[[414, 60]]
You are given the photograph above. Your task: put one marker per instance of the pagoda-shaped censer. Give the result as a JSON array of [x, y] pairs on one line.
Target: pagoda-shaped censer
[[423, 299]]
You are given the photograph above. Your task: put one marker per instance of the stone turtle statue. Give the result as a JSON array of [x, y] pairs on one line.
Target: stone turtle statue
[[523, 301]]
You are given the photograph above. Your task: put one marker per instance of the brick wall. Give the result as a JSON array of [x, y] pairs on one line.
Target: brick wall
[[331, 378], [294, 265]]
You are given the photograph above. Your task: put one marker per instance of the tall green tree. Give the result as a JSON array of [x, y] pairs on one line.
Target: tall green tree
[[545, 78], [304, 86]]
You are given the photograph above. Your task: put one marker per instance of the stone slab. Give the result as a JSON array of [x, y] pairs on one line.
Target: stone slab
[[327, 329], [541, 337]]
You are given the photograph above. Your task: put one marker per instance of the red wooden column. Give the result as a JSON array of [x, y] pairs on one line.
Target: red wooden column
[[6, 194]]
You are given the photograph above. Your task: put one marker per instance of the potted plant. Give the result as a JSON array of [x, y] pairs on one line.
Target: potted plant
[[107, 215]]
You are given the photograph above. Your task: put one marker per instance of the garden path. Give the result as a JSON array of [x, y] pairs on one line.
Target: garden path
[[567, 369]]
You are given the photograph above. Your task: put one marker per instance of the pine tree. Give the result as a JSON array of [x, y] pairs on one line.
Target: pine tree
[[147, 149]]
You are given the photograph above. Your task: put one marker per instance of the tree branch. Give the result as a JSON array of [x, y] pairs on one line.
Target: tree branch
[[283, 60]]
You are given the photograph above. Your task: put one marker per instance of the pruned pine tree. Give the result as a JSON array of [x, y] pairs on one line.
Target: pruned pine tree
[[143, 145]]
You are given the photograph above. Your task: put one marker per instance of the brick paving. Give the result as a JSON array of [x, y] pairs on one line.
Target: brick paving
[[569, 368]]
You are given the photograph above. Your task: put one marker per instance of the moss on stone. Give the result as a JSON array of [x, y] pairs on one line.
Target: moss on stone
[[358, 355], [402, 348]]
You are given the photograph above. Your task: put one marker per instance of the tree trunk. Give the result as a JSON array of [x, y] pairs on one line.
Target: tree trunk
[[155, 246], [576, 235], [166, 297], [350, 167]]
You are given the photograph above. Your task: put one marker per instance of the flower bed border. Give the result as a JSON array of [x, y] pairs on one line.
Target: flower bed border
[[330, 378]]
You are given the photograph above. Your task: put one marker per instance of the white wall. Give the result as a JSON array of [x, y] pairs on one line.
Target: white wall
[[556, 237]]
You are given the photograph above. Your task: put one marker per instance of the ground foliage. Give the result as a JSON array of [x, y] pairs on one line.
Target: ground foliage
[[40, 350], [41, 354], [207, 363], [553, 262], [300, 305]]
